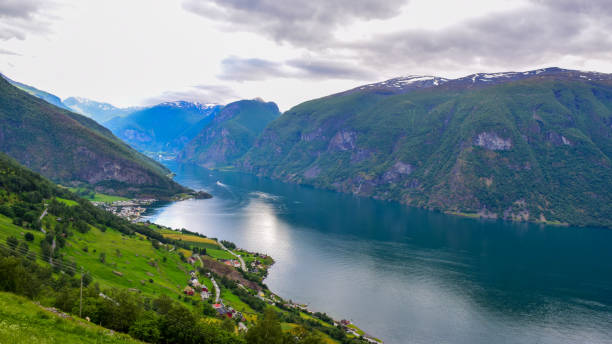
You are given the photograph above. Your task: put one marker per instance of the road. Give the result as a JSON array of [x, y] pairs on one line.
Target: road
[[40, 219], [212, 279], [217, 290], [242, 265]]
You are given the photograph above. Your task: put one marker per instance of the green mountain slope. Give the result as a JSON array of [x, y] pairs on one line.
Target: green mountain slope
[[134, 278], [230, 134], [166, 127], [46, 96], [530, 146], [70, 148], [23, 321]]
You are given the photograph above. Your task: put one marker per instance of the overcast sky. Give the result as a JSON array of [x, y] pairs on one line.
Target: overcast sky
[[139, 52]]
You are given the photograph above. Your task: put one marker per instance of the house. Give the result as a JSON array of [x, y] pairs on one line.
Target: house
[[188, 291], [204, 288], [220, 308], [204, 295], [345, 322]]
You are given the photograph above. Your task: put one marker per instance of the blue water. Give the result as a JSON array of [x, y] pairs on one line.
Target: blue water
[[407, 275]]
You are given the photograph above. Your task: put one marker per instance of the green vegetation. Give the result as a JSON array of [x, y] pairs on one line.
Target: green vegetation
[[537, 149], [133, 277], [93, 196], [23, 322], [240, 122], [72, 149]]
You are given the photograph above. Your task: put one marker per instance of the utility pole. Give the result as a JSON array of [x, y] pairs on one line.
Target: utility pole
[[81, 301]]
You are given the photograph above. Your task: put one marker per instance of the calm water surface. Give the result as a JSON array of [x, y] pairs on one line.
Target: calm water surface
[[408, 275]]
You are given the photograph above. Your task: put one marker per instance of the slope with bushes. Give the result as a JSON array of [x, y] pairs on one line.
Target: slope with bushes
[[533, 146], [132, 276], [230, 134], [73, 149]]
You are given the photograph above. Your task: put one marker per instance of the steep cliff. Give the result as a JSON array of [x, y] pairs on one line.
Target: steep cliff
[[533, 146], [230, 134]]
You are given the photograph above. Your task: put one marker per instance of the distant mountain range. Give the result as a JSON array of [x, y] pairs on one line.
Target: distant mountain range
[[72, 149], [230, 134], [533, 146], [527, 146], [98, 111], [166, 127]]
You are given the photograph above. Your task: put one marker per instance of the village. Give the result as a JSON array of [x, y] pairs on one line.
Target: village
[[130, 210], [207, 282]]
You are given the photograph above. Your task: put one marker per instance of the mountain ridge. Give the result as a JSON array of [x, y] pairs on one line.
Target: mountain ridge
[[230, 134], [518, 146], [70, 148]]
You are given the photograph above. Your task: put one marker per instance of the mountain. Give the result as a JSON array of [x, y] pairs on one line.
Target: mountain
[[532, 146], [98, 111], [166, 127], [230, 134], [71, 149], [46, 96]]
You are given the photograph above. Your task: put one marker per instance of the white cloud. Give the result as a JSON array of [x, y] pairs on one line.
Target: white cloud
[[133, 52]]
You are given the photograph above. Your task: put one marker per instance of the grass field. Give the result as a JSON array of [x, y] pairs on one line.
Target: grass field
[[99, 197], [134, 257], [22, 321], [67, 202], [219, 253], [192, 239]]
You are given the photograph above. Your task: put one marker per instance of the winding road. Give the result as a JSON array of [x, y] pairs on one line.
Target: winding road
[[40, 219], [242, 265]]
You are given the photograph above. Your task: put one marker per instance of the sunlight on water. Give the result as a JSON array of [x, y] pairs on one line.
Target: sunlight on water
[[406, 275]]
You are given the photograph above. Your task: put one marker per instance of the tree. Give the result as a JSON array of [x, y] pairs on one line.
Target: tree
[[102, 257], [29, 236], [267, 330], [12, 242], [228, 325], [146, 328], [208, 310]]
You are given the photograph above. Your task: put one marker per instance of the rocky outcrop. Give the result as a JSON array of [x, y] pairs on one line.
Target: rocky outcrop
[[492, 141]]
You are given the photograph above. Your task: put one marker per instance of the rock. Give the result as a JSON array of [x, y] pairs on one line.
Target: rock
[[118, 273], [343, 141], [492, 141]]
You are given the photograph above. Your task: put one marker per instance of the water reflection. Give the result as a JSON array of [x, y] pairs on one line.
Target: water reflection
[[406, 274]]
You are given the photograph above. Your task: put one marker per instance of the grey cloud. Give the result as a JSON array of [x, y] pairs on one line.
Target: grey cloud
[[8, 52], [21, 17], [325, 69], [240, 69], [540, 32], [250, 69], [295, 21], [216, 94], [528, 36], [19, 8]]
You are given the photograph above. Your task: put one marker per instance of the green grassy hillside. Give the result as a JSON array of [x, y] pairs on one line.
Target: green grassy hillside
[[22, 321], [134, 277], [72, 149], [230, 134], [536, 148]]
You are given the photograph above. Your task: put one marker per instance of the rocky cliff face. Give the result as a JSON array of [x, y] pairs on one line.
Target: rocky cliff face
[[230, 134], [530, 146]]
